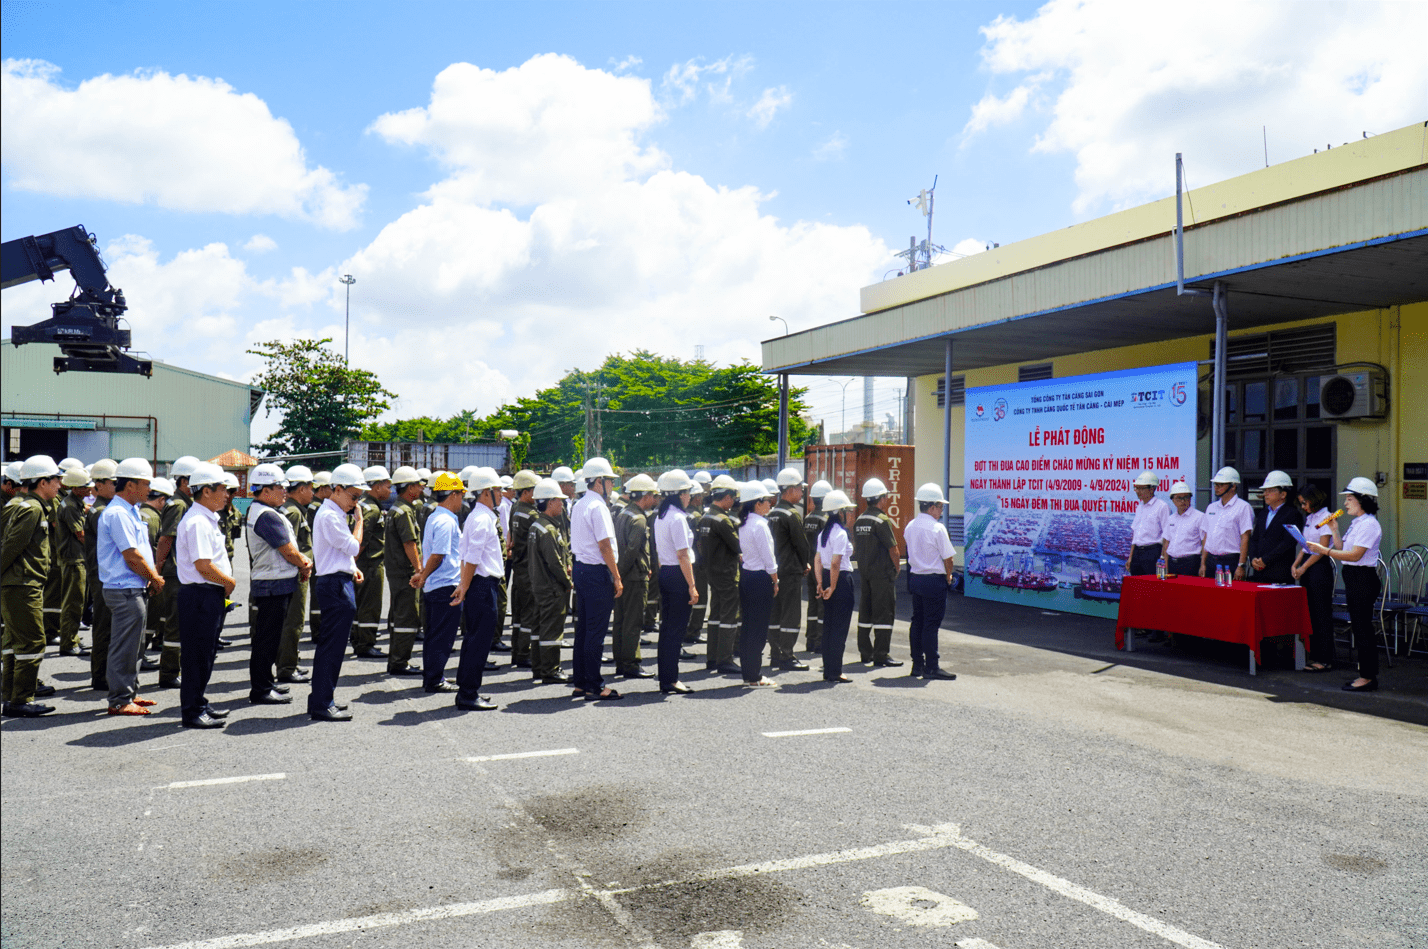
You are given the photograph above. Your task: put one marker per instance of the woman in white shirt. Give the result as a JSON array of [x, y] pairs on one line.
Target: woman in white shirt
[[1358, 552], [1316, 575], [758, 582], [674, 546], [835, 585]]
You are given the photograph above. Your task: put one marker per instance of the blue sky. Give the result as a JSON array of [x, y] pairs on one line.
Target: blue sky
[[670, 177]]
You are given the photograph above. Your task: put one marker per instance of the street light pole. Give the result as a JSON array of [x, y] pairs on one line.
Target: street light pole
[[783, 321], [348, 279], [845, 403]]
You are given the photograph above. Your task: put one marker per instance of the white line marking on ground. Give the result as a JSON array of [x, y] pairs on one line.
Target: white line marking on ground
[[719, 939], [806, 731], [902, 903], [526, 754], [238, 780], [974, 944]]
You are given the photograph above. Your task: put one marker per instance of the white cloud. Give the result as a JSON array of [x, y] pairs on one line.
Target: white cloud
[[773, 99], [683, 81], [1128, 86], [968, 246], [626, 64], [188, 144], [832, 149], [260, 244]]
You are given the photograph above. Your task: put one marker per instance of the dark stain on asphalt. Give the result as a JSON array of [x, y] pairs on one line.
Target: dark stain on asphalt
[[268, 866], [1354, 863], [753, 904], [599, 813]]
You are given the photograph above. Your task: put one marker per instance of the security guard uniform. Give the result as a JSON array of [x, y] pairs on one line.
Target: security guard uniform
[[54, 580], [813, 523], [230, 521], [792, 553], [719, 549], [873, 536], [24, 568], [99, 629], [651, 624], [523, 515], [695, 515], [632, 539], [404, 615], [548, 565], [73, 579], [165, 605], [370, 560], [297, 606]]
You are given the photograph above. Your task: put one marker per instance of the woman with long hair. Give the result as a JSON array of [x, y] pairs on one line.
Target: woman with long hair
[[835, 586], [758, 581], [1358, 552], [674, 545], [1316, 575]]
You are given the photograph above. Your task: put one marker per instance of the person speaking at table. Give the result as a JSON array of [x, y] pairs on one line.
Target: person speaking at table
[[1271, 547], [1184, 533], [1228, 523], [1358, 552], [1316, 575]]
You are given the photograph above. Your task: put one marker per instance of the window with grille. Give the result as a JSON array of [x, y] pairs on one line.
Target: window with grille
[[959, 391], [1304, 349], [1033, 373]]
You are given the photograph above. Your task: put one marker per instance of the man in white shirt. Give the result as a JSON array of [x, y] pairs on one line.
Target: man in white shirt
[[205, 581], [1184, 534], [596, 573], [1148, 526], [1228, 522], [483, 568], [334, 553], [930, 561]]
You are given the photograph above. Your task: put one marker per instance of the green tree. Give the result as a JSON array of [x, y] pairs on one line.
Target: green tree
[[323, 401]]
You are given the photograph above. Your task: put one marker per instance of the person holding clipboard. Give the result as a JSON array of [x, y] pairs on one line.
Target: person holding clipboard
[[1315, 574], [1358, 552]]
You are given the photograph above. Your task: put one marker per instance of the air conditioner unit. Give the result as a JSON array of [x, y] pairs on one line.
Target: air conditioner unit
[[1358, 394]]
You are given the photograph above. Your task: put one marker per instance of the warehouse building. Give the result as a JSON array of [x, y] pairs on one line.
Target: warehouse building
[[93, 415], [1321, 264]]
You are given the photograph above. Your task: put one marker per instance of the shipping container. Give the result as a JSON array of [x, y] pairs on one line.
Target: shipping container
[[846, 467], [436, 456]]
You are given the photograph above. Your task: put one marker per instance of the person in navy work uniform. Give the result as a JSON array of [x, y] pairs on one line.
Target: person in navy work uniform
[[930, 559], [596, 572], [205, 578], [334, 555]]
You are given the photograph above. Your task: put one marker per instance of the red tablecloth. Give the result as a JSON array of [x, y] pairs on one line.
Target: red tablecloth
[[1242, 613]]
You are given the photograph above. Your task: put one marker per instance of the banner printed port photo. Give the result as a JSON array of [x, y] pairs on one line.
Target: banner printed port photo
[[1049, 466]]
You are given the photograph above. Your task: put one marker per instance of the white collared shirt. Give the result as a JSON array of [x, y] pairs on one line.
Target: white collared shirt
[[1364, 532], [503, 511], [672, 534], [927, 545], [480, 545], [1149, 525], [334, 549], [757, 544], [1185, 532], [1312, 532], [1225, 524], [200, 538], [835, 544], [590, 523]]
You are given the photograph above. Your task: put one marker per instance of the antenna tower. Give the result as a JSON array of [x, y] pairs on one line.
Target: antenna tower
[[919, 255]]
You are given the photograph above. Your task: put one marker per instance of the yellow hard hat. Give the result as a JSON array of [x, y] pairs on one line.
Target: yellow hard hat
[[446, 481]]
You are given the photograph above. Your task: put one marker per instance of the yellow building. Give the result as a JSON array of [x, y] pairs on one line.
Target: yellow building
[[1322, 264]]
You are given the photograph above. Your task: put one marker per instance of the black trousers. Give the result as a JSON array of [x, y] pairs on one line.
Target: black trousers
[[338, 604], [200, 617], [482, 612], [674, 610], [443, 622], [1318, 583], [837, 614], [266, 636], [1228, 560], [756, 600], [929, 606], [1361, 590], [1184, 566], [1143, 558]]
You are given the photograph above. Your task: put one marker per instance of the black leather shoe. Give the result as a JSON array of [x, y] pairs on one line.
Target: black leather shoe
[[442, 687], [482, 704], [793, 665], [331, 714], [299, 675], [168, 682], [148, 665], [224, 643], [340, 706], [936, 673], [44, 689], [647, 642], [281, 689], [729, 669], [216, 713], [27, 710], [80, 653], [492, 666], [687, 656], [371, 653], [270, 698], [99, 685], [404, 671], [500, 647], [636, 674], [521, 664], [916, 670], [559, 678], [679, 688], [1370, 686], [203, 721], [888, 663]]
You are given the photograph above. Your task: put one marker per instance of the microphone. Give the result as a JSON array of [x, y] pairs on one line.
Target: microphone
[[1332, 517]]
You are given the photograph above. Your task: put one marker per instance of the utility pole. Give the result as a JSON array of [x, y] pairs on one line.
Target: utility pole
[[348, 279]]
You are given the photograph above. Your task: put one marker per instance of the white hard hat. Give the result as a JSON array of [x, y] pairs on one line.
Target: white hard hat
[[183, 467], [835, 501], [643, 484], [299, 474], [482, 478], [205, 473], [819, 489], [38, 466], [753, 491], [12, 471], [674, 481], [230, 480], [581, 486], [1146, 479], [103, 469], [322, 479], [723, 483], [702, 477], [547, 489], [1180, 487], [770, 485], [466, 472], [1226, 475], [406, 474], [507, 481], [695, 488], [930, 493], [789, 478], [163, 486], [874, 488], [1277, 479], [347, 476], [597, 468], [266, 475], [376, 473], [76, 477], [69, 463], [1361, 486], [425, 474], [562, 475], [136, 468]]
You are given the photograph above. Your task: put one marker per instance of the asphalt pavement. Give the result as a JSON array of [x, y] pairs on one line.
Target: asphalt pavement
[[1059, 793]]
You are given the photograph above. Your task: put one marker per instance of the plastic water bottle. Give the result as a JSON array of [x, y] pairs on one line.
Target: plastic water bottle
[[1221, 576], [1160, 569]]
